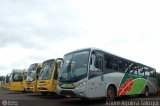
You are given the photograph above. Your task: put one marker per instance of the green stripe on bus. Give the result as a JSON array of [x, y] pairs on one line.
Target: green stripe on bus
[[131, 84], [137, 86]]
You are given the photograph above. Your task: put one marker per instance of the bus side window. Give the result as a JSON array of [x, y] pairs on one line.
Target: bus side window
[[99, 62], [135, 72], [151, 73], [147, 73], [108, 62], [111, 62], [97, 66], [141, 71], [123, 65], [133, 69], [115, 64]]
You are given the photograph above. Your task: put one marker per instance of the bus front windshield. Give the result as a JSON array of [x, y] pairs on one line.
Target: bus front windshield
[[46, 71], [17, 76], [74, 67], [31, 75]]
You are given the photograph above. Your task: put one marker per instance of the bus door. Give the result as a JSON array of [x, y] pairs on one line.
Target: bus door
[[96, 78]]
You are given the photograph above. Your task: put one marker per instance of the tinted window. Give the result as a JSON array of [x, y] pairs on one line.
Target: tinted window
[[111, 62], [133, 69], [123, 65], [152, 73], [99, 62], [96, 66], [140, 71]]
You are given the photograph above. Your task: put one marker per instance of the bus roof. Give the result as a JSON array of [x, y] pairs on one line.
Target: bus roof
[[93, 48], [17, 70], [35, 64], [49, 60]]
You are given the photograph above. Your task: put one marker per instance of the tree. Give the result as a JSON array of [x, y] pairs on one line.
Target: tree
[[1, 78]]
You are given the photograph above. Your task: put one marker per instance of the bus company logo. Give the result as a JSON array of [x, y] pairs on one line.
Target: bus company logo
[[4, 102]]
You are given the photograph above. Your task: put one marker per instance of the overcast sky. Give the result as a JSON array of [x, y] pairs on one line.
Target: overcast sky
[[36, 30]]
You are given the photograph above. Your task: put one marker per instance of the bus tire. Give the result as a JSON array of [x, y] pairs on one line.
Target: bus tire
[[111, 93], [146, 92]]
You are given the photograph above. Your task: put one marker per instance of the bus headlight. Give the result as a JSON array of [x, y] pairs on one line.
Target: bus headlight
[[70, 86]]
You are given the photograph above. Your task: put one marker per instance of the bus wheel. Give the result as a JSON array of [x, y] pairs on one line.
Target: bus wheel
[[44, 93], [146, 92], [110, 93]]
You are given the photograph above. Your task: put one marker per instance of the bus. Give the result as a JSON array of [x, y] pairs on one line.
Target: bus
[[91, 73], [48, 78], [32, 77], [17, 80], [6, 81]]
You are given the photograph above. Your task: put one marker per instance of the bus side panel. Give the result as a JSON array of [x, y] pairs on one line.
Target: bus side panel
[[132, 84], [114, 79], [97, 87], [152, 84]]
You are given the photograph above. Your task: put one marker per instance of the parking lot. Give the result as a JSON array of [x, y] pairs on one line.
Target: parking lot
[[36, 99]]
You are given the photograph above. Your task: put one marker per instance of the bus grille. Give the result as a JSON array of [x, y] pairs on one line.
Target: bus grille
[[68, 93]]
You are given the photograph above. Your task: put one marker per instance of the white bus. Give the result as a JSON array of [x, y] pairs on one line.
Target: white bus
[[92, 73]]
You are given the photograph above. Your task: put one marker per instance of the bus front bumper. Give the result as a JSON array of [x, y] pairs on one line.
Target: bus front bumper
[[71, 92]]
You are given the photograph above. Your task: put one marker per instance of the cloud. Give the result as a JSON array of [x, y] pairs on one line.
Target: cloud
[[35, 23], [36, 30]]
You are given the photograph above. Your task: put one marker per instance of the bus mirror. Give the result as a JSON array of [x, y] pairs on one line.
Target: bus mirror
[[37, 76]]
